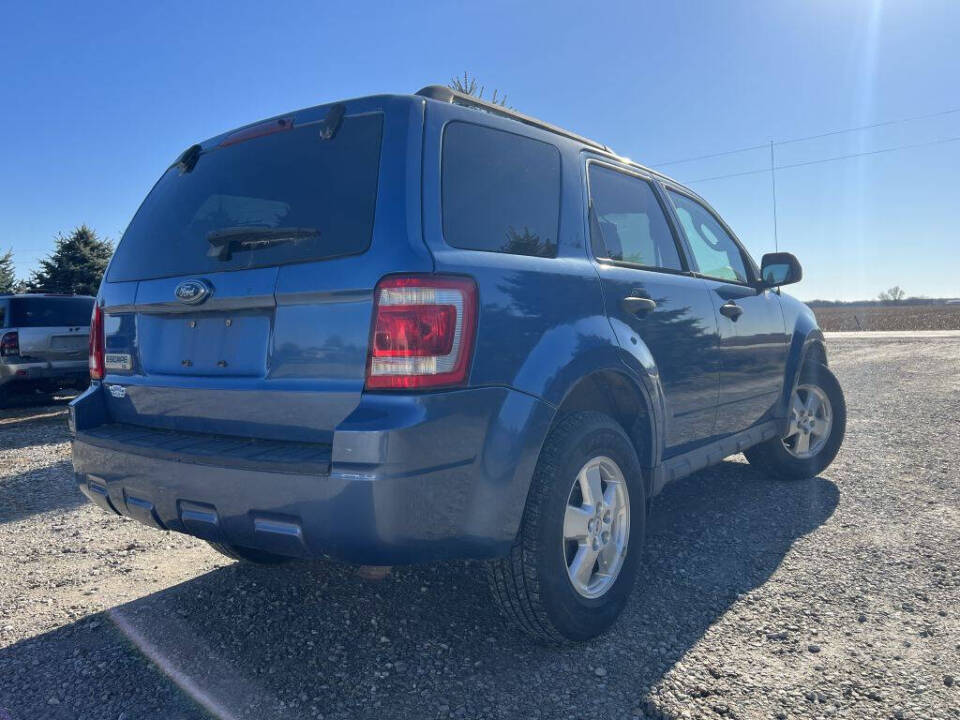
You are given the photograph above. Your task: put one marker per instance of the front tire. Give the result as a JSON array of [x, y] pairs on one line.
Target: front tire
[[576, 557], [817, 424]]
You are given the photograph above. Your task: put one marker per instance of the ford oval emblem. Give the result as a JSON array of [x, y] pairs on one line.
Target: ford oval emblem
[[193, 292]]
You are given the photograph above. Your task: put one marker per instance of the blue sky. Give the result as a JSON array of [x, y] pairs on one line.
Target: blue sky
[[98, 98]]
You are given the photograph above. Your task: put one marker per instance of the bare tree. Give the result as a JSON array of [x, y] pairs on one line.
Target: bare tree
[[468, 85], [894, 294]]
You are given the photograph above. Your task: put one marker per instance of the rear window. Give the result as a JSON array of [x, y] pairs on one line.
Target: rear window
[[286, 197], [50, 312], [501, 191]]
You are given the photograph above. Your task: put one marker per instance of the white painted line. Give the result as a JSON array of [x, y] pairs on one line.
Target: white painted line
[[893, 335]]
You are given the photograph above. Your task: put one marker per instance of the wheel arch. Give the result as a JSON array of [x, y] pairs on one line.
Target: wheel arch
[[615, 393], [807, 343]]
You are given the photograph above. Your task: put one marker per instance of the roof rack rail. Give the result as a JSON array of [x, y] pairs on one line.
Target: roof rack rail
[[445, 94]]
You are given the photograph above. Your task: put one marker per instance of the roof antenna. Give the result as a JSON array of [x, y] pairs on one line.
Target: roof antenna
[[331, 123]]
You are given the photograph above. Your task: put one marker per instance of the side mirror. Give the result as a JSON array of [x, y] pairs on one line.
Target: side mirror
[[780, 268]]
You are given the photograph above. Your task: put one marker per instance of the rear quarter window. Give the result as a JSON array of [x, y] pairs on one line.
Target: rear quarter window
[[500, 191], [50, 312]]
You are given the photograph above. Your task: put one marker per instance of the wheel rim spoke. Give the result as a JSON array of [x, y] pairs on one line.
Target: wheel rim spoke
[[608, 557], [796, 410], [575, 522], [581, 569], [590, 485], [796, 405], [611, 497], [802, 443], [820, 427]]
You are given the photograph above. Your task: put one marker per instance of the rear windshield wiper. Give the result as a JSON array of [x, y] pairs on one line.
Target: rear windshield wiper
[[224, 241]]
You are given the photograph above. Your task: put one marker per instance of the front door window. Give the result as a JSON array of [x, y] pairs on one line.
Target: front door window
[[715, 252]]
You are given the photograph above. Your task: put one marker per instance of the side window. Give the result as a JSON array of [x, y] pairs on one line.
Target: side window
[[500, 191], [627, 221], [717, 255]]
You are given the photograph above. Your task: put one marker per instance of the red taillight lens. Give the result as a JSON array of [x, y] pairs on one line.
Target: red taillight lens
[[423, 329], [414, 330], [10, 344], [96, 343]]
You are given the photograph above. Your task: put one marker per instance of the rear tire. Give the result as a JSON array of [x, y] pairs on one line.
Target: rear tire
[[555, 584], [249, 555], [784, 458]]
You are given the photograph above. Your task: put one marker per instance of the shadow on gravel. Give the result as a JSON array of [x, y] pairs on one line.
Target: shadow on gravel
[[33, 423], [15, 404], [13, 419], [312, 638], [37, 491]]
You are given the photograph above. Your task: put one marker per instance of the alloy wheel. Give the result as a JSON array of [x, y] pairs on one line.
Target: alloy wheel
[[811, 419], [596, 527]]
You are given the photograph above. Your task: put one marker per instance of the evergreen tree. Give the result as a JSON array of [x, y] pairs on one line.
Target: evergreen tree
[[76, 265], [8, 280]]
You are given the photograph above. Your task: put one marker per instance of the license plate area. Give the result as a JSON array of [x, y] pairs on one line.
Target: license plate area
[[221, 344], [69, 343]]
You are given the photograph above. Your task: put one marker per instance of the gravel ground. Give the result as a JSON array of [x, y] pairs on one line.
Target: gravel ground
[[835, 597]]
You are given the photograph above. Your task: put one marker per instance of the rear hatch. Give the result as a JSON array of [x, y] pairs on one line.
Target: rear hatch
[[240, 297], [51, 329]]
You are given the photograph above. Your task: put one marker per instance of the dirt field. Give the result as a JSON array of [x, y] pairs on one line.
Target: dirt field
[[888, 317], [837, 597]]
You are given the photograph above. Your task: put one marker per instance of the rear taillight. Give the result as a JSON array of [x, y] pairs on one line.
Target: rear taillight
[[10, 344], [423, 329], [96, 343]]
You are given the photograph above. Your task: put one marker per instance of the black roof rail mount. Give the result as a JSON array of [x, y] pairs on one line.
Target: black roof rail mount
[[445, 94]]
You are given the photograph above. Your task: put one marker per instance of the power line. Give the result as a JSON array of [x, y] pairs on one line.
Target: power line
[[872, 126], [941, 141], [712, 155], [789, 141]]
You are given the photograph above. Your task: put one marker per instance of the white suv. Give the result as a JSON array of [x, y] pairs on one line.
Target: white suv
[[43, 343]]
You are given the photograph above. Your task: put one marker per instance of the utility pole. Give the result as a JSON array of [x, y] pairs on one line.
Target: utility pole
[[773, 186]]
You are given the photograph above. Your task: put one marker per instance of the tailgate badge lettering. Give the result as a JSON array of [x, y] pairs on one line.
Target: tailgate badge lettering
[[118, 391], [118, 361], [193, 292]]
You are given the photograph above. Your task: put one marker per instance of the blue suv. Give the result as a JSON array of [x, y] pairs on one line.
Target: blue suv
[[401, 329]]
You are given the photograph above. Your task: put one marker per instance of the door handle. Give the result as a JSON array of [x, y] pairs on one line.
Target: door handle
[[731, 310], [638, 305]]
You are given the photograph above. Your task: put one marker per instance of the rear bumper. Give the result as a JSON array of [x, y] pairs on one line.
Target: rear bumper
[[40, 372], [411, 478]]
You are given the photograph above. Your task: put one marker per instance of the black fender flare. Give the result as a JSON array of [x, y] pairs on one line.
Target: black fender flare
[[807, 341]]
